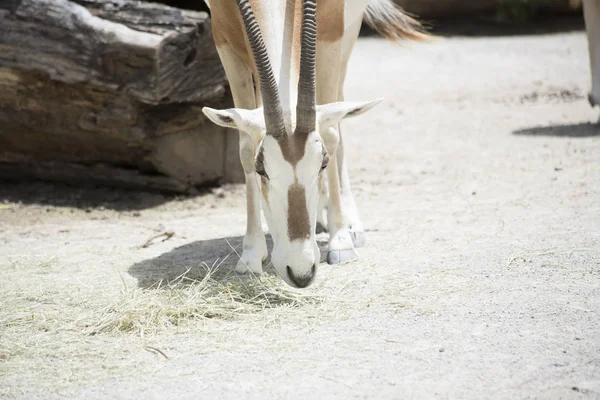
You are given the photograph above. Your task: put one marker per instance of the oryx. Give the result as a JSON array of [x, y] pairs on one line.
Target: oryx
[[286, 63]]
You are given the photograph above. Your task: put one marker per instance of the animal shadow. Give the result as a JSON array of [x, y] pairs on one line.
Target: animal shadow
[[192, 262], [580, 130]]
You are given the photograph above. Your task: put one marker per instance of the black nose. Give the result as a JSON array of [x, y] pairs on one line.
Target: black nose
[[302, 281]]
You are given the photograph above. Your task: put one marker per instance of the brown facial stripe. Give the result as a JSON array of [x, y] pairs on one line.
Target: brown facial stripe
[[292, 147], [298, 221]]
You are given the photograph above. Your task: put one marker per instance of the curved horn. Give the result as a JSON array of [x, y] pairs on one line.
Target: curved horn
[[306, 114], [268, 85]]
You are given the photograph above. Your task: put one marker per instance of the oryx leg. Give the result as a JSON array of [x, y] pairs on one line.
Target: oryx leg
[[591, 13], [349, 205], [242, 88], [355, 224], [341, 247]]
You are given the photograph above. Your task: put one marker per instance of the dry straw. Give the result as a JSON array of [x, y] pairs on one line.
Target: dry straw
[[212, 293]]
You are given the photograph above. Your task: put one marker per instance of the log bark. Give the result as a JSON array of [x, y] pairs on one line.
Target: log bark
[[155, 53], [118, 83]]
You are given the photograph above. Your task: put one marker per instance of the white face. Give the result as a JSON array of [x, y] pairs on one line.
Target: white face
[[289, 170]]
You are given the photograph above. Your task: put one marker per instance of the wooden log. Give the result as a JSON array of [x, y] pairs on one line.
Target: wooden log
[[118, 83], [157, 54]]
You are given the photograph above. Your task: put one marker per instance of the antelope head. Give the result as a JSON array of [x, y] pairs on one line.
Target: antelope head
[[289, 162]]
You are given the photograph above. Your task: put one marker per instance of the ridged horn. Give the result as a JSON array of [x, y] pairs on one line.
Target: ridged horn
[[306, 114], [268, 85]]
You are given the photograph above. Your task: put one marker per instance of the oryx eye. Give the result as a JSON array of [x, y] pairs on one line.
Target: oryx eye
[[259, 164], [325, 161], [260, 169]]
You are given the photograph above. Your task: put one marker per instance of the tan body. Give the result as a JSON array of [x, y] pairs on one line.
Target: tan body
[[290, 201]]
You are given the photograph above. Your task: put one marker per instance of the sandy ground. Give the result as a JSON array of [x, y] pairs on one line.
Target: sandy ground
[[478, 180]]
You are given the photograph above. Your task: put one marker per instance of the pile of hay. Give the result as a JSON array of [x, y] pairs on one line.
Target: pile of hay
[[211, 294]]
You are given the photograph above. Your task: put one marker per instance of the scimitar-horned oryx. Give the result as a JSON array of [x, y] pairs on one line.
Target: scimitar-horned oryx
[[286, 139]]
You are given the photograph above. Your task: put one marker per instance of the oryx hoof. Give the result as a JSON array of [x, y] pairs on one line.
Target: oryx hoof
[[358, 238], [341, 256], [250, 263]]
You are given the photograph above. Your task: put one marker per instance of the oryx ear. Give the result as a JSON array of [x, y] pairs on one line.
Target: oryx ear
[[331, 114], [251, 122]]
